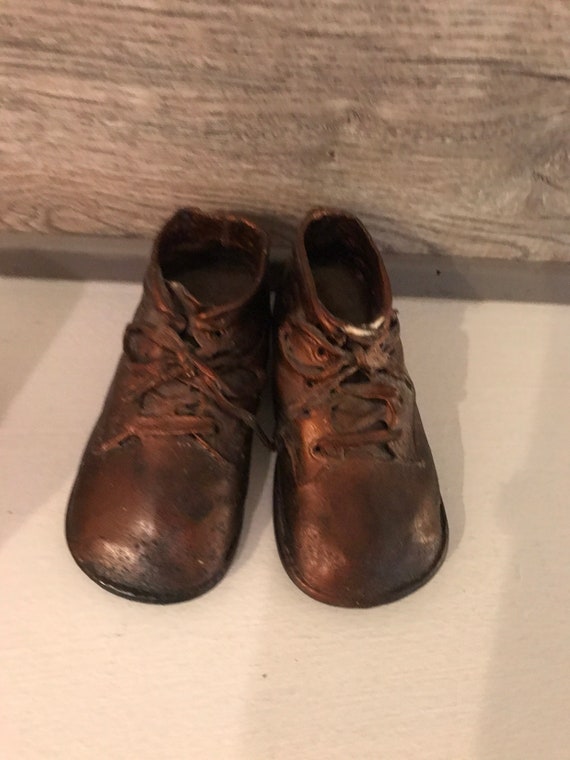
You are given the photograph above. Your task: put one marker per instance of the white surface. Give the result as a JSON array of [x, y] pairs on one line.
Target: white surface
[[475, 665]]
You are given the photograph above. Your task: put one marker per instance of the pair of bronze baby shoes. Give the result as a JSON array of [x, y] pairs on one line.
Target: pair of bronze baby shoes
[[157, 506]]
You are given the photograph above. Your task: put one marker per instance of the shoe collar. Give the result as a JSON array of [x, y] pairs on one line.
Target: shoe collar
[[191, 225], [334, 227]]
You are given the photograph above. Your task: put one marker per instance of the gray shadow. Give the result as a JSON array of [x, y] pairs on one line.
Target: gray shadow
[[437, 361], [113, 263], [525, 710], [254, 524], [435, 344], [26, 336], [440, 351], [27, 333], [431, 273]]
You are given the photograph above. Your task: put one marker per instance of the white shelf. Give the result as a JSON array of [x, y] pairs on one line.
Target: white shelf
[[474, 665]]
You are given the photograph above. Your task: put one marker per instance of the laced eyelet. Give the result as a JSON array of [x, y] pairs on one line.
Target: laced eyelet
[[317, 449], [218, 333], [309, 383], [305, 412], [321, 351]]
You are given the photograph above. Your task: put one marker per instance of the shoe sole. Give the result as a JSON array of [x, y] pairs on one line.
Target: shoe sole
[[134, 595], [137, 596]]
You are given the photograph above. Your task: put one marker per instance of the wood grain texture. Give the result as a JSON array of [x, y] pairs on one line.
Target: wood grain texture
[[444, 123]]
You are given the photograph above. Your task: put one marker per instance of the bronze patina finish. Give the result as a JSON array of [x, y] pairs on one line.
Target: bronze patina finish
[[157, 506], [358, 513]]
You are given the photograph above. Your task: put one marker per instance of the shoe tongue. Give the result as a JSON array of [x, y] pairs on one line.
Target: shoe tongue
[[330, 323], [200, 323], [186, 308], [366, 330], [333, 324], [194, 316], [183, 301]]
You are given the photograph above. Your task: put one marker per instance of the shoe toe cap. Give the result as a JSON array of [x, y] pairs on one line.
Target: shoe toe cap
[[375, 574], [157, 538], [357, 543]]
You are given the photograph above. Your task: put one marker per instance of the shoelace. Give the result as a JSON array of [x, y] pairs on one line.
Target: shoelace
[[342, 357], [176, 361]]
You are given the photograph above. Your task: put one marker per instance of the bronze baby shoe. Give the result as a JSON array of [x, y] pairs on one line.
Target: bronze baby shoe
[[157, 506], [359, 518]]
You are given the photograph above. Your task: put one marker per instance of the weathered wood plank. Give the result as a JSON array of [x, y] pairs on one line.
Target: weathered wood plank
[[445, 124]]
